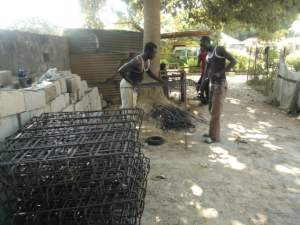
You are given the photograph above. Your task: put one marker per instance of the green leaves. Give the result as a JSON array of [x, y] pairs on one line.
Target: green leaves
[[134, 17], [264, 15], [90, 11], [37, 25]]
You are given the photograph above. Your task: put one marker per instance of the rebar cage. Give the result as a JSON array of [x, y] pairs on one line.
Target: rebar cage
[[83, 168]]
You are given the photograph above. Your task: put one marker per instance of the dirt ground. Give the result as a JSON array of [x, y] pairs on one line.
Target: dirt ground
[[233, 182]]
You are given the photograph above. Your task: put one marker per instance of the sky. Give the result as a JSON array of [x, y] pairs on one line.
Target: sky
[[296, 26], [62, 13]]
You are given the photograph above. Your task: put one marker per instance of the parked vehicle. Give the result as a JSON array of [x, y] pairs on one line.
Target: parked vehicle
[[186, 52]]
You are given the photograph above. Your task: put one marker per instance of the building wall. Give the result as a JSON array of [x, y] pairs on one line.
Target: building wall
[[33, 52]]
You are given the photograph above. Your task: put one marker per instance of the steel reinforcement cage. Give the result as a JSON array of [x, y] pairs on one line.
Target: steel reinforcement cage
[[82, 168]]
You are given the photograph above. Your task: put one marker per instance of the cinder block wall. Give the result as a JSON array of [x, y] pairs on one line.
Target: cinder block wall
[[32, 52], [67, 94]]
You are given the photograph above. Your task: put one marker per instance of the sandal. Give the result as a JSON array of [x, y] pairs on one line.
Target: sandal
[[206, 136], [208, 140]]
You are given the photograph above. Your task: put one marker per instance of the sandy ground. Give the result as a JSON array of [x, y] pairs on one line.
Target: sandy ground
[[230, 183]]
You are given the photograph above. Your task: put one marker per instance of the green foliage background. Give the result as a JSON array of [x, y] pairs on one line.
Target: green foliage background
[[294, 62]]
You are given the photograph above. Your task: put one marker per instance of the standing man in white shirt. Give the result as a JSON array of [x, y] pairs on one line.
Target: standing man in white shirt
[[133, 75]]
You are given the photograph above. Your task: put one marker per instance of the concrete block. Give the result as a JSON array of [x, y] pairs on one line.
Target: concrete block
[[57, 86], [86, 103], [67, 99], [78, 79], [34, 99], [58, 104], [50, 92], [69, 82], [88, 108], [73, 98], [76, 96], [24, 117], [95, 100], [11, 102], [80, 93], [37, 112], [83, 104], [6, 78], [84, 86], [69, 108], [80, 90], [8, 126], [78, 106], [73, 84], [47, 108], [27, 116], [63, 85]]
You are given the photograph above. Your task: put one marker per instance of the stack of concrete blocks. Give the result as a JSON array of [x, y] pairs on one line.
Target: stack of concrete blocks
[[67, 94], [6, 78], [11, 105]]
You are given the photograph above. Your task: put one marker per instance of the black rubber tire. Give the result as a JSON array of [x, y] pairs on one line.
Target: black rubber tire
[[155, 140]]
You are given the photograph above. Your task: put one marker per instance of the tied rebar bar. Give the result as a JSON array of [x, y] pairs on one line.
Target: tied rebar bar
[[171, 117], [80, 168]]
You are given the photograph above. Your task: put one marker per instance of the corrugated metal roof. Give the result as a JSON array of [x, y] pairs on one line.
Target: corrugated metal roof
[[97, 54], [91, 41], [100, 70], [83, 42]]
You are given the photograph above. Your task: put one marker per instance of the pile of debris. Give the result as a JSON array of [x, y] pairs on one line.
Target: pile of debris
[[171, 117], [71, 168]]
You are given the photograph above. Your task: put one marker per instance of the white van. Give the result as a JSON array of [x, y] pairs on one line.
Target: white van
[[186, 52]]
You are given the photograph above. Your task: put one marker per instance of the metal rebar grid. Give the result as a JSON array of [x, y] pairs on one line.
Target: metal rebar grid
[[75, 175], [27, 141], [171, 117], [82, 188], [124, 117], [79, 123], [137, 113]]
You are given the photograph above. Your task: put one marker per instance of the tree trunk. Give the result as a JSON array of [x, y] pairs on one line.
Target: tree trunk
[[149, 96], [152, 28]]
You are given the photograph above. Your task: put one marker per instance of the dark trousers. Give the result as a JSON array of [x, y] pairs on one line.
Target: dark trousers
[[203, 89]]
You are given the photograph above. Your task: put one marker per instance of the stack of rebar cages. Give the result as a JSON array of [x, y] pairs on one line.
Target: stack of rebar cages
[[79, 168]]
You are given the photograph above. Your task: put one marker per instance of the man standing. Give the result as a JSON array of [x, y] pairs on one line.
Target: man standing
[[216, 68], [133, 74]]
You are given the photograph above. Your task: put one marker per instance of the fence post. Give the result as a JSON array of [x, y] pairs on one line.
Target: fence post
[[165, 87], [267, 69], [255, 59], [249, 63], [183, 86]]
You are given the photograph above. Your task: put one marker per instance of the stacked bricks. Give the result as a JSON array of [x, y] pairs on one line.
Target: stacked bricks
[[67, 94]]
